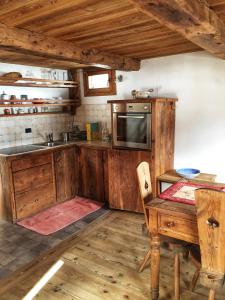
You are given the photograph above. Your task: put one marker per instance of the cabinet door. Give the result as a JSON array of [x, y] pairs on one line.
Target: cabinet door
[[34, 185], [123, 184], [91, 173], [65, 174]]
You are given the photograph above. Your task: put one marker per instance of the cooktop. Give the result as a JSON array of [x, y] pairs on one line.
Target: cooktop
[[19, 149]]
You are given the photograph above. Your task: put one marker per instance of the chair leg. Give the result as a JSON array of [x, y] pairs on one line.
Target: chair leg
[[177, 276], [194, 280], [145, 260], [212, 294]]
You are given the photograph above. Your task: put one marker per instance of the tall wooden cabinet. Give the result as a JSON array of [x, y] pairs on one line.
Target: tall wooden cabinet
[[123, 186]]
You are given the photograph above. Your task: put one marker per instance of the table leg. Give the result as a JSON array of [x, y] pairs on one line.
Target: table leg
[[154, 267]]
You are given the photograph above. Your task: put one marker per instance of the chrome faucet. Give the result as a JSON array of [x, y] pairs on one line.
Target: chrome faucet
[[50, 137]]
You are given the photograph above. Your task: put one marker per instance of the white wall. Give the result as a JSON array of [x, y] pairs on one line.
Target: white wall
[[198, 80]]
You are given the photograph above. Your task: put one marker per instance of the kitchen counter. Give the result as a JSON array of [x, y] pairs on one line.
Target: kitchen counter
[[27, 149]]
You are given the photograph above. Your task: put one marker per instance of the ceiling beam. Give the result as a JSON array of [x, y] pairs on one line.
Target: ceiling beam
[[31, 43], [191, 18]]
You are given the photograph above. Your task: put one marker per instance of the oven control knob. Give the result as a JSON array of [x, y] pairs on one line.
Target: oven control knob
[[145, 107], [116, 107]]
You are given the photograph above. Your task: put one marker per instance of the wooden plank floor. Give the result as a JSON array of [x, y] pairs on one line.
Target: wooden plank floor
[[103, 263]]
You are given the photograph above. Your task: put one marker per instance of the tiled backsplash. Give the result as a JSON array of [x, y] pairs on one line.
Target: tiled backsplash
[[12, 130], [93, 113]]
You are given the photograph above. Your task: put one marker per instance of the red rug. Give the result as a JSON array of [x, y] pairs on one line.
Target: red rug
[[60, 215]]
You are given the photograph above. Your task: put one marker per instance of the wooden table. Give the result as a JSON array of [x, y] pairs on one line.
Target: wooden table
[[171, 219], [171, 177]]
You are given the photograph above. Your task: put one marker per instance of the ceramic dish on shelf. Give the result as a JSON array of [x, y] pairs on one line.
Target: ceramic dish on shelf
[[188, 173], [38, 101]]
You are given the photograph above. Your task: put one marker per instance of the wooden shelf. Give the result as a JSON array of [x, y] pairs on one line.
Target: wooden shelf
[[36, 82], [35, 114], [38, 105]]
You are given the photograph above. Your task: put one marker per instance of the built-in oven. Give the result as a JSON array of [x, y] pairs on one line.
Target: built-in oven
[[131, 125]]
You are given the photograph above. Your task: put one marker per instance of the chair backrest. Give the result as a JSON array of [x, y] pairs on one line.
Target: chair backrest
[[145, 186], [210, 205]]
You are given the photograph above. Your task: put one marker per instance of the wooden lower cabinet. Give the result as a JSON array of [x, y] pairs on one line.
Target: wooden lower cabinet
[[66, 173], [91, 174], [123, 185], [34, 185]]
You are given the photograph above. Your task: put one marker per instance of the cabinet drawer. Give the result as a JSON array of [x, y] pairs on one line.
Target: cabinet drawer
[[32, 178], [31, 202], [178, 227], [25, 163]]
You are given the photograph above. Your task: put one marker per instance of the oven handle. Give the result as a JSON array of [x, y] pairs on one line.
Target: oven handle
[[130, 117]]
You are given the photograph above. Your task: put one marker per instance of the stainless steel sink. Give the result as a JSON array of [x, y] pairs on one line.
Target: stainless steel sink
[[51, 144]]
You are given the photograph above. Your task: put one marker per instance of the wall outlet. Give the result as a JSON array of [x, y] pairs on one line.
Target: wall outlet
[[28, 130]]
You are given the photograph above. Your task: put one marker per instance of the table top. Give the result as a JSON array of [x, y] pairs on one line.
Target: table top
[[172, 176], [171, 206]]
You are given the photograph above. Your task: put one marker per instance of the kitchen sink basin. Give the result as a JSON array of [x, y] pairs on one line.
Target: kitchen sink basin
[[52, 144]]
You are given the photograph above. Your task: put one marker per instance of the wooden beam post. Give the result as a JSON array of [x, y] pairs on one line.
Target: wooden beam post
[[191, 18], [28, 42]]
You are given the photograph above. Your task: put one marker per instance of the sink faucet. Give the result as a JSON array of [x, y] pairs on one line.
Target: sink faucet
[[50, 137]]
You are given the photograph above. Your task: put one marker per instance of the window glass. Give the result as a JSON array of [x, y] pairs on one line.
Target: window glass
[[98, 81]]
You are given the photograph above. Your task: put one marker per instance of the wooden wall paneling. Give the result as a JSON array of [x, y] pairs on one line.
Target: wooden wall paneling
[[163, 128], [75, 93], [123, 185]]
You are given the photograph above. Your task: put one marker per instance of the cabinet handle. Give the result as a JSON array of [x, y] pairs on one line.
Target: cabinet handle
[[170, 224]]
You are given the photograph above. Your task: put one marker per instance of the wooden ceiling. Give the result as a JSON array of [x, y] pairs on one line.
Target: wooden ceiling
[[116, 27]]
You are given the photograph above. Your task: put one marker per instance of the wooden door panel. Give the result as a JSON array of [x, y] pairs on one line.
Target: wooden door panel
[[32, 178], [30, 162], [123, 185], [65, 174], [91, 173], [33, 201]]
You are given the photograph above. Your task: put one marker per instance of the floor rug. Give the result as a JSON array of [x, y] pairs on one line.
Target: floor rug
[[60, 215]]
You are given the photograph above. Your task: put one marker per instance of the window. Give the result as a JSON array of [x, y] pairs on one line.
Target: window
[[99, 82]]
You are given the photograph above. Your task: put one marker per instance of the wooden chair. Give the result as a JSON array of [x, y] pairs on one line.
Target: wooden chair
[[210, 264], [145, 187]]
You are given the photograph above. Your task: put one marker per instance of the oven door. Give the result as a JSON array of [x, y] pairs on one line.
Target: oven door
[[132, 130]]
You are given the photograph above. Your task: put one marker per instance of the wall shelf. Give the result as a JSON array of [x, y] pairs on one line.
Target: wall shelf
[[68, 106], [36, 82], [34, 114]]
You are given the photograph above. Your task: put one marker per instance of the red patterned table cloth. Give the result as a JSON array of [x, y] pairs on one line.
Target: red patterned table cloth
[[184, 191]]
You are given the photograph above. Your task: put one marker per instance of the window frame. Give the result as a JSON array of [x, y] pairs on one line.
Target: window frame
[[111, 90]]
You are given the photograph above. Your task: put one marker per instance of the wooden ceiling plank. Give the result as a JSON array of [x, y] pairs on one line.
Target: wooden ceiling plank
[[151, 47], [7, 6], [193, 19], [32, 43], [126, 32], [117, 14], [144, 38], [135, 19], [127, 48], [43, 8], [161, 51], [79, 13]]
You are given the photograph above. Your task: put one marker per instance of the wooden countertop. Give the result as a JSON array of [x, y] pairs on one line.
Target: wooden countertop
[[143, 100], [89, 144], [172, 176]]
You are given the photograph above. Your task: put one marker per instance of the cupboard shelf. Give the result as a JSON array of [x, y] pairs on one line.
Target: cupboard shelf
[[38, 105], [34, 114], [38, 82]]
